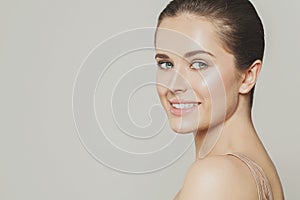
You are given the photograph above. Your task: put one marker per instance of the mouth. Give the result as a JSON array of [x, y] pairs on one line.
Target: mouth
[[182, 108]]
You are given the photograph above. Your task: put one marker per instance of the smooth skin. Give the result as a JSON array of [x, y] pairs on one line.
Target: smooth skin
[[197, 78]]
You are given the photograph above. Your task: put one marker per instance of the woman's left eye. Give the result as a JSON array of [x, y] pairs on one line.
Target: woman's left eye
[[199, 65]]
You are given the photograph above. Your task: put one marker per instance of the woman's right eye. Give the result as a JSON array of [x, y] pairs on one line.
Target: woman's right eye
[[165, 64]]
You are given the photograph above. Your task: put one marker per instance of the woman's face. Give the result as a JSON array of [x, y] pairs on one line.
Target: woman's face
[[197, 81]]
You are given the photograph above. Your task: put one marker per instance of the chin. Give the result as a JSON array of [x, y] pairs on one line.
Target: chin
[[181, 127], [182, 131]]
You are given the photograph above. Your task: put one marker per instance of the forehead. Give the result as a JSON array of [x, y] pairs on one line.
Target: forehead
[[186, 33]]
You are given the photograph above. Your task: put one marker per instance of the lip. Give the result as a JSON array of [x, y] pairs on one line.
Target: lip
[[182, 101], [180, 112]]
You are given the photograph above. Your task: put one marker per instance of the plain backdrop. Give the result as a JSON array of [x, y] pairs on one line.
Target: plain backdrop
[[42, 46]]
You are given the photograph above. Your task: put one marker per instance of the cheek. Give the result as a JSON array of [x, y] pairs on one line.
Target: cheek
[[231, 85], [162, 81], [210, 86], [214, 88], [198, 82], [163, 78], [223, 87], [161, 91]]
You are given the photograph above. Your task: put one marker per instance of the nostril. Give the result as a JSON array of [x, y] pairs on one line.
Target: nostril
[[178, 90]]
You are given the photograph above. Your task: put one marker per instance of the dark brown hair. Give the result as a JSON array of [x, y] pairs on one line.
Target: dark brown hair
[[237, 22]]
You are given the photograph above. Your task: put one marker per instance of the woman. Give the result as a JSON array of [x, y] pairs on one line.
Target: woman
[[209, 55]]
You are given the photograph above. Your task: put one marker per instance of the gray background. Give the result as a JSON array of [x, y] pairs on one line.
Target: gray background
[[42, 45]]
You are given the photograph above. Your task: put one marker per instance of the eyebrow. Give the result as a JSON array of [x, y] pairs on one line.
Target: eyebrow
[[162, 56], [188, 54], [192, 53]]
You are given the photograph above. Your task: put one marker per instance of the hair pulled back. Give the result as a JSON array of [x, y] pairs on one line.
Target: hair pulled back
[[237, 23]]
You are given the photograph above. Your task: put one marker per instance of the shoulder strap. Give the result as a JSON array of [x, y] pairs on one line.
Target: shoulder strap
[[261, 180]]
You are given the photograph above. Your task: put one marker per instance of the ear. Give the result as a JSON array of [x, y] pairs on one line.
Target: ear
[[250, 77]]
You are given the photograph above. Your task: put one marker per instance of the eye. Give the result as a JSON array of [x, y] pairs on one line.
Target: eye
[[165, 64], [199, 65]]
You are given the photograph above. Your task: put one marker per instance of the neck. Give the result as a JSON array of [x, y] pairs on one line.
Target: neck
[[234, 135]]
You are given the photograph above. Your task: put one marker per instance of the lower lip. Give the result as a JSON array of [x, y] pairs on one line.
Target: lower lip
[[180, 112]]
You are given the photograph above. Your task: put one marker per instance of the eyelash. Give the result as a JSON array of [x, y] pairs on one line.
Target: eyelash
[[160, 63], [170, 65], [202, 67]]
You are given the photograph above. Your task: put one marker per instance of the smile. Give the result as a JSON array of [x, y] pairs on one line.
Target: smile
[[180, 109], [184, 105]]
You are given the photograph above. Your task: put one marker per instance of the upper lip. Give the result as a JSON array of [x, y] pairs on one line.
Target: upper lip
[[181, 101]]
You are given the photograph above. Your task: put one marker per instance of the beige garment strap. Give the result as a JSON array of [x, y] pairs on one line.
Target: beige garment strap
[[262, 182]]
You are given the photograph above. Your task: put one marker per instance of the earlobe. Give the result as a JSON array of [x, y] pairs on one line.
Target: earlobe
[[250, 77]]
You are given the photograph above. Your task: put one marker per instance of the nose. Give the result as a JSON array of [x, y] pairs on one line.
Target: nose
[[178, 83]]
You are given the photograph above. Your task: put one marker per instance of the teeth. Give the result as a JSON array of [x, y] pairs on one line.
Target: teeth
[[184, 106]]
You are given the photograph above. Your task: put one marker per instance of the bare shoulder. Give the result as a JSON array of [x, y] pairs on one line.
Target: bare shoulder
[[218, 177]]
